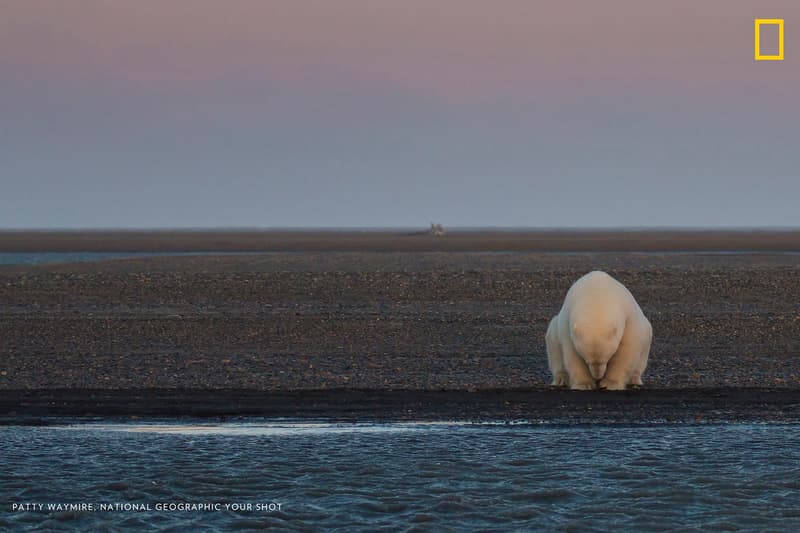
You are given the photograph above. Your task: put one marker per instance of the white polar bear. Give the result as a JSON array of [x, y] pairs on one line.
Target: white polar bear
[[600, 337]]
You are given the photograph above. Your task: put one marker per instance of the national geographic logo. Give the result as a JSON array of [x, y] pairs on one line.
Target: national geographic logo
[[757, 47]]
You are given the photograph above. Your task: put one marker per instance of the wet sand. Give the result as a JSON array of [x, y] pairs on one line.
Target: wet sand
[[535, 405], [284, 333]]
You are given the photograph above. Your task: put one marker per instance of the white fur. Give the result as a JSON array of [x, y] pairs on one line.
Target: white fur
[[600, 338]]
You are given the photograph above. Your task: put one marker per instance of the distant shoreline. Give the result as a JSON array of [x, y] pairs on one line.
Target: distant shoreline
[[405, 240]]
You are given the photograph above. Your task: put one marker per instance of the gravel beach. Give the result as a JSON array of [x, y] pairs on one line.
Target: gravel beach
[[384, 321]]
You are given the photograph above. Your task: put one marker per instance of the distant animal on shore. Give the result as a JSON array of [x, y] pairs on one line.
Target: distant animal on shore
[[600, 338], [437, 230]]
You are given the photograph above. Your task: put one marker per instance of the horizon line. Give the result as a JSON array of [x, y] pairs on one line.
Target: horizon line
[[387, 228]]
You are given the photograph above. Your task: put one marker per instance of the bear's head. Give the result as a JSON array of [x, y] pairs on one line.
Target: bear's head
[[596, 341]]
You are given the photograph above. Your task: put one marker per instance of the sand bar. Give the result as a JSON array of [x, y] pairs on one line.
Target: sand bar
[[421, 322]]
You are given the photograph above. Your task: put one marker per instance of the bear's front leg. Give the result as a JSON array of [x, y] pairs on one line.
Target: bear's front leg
[[560, 380], [608, 384], [641, 365], [579, 376], [623, 364], [554, 357]]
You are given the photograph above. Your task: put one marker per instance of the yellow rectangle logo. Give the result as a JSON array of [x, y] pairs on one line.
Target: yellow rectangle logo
[[757, 52]]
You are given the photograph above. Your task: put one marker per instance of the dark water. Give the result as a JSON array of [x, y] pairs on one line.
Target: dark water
[[39, 258], [406, 477]]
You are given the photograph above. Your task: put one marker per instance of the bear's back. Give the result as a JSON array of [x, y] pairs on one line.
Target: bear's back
[[597, 293]]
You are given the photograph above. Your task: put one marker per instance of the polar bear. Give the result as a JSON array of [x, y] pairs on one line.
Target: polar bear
[[600, 338]]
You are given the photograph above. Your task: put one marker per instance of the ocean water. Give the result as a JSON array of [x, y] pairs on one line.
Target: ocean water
[[407, 477], [40, 258]]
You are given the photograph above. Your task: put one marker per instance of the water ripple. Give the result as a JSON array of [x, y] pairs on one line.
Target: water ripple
[[406, 477]]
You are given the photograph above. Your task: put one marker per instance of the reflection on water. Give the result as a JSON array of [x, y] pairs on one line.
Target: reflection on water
[[426, 476], [285, 428]]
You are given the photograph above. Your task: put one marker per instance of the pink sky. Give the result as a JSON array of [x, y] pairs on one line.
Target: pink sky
[[451, 50], [508, 88]]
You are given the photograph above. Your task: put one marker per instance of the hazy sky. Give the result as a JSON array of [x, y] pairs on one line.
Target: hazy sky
[[396, 113]]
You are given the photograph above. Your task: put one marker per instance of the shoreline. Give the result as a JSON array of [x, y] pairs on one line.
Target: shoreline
[[535, 405], [458, 240]]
